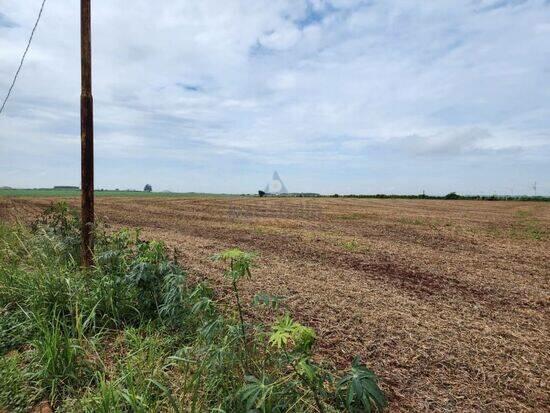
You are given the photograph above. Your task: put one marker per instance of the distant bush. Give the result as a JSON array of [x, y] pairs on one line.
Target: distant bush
[[455, 196], [452, 195]]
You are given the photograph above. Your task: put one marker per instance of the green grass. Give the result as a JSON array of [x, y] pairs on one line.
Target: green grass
[[71, 193], [528, 227], [133, 334], [352, 245], [17, 392], [523, 213]]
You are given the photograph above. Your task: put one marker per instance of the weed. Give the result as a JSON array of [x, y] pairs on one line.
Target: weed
[[352, 245], [239, 267]]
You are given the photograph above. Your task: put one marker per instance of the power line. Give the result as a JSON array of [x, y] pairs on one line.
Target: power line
[[23, 57]]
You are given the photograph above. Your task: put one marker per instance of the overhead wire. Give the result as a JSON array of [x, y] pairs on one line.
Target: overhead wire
[[23, 57]]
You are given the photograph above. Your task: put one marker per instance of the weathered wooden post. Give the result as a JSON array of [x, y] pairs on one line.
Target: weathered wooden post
[[86, 137]]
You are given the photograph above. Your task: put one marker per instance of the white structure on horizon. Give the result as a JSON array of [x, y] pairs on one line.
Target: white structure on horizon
[[276, 186]]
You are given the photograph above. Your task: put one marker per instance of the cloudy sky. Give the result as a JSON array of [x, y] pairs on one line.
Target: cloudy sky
[[338, 96]]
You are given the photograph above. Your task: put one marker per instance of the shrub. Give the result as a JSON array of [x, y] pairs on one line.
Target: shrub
[[452, 195]]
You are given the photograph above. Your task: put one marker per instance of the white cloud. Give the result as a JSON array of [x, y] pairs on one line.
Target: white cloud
[[282, 38], [288, 81]]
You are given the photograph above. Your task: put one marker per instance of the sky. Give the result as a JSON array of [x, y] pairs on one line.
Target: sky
[[338, 96]]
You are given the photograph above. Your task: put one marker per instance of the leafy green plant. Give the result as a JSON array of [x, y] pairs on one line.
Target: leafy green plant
[[239, 267], [359, 390], [286, 332], [296, 341], [260, 394]]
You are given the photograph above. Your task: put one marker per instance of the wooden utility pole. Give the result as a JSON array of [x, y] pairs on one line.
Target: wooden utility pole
[[86, 137]]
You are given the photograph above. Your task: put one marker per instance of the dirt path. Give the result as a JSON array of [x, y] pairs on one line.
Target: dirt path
[[447, 301]]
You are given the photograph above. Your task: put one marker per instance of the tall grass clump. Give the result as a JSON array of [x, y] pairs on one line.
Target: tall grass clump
[[133, 334]]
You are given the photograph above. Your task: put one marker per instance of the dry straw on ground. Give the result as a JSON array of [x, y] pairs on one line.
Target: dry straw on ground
[[446, 300]]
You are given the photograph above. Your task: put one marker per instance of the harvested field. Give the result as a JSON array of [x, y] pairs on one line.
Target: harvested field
[[448, 301]]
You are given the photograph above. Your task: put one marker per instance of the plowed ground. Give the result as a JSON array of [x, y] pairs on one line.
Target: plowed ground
[[448, 301]]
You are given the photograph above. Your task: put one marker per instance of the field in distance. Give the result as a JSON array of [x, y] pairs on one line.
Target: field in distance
[[446, 300], [69, 193]]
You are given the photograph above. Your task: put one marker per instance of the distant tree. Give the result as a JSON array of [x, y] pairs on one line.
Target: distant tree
[[261, 193], [148, 188], [452, 195]]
